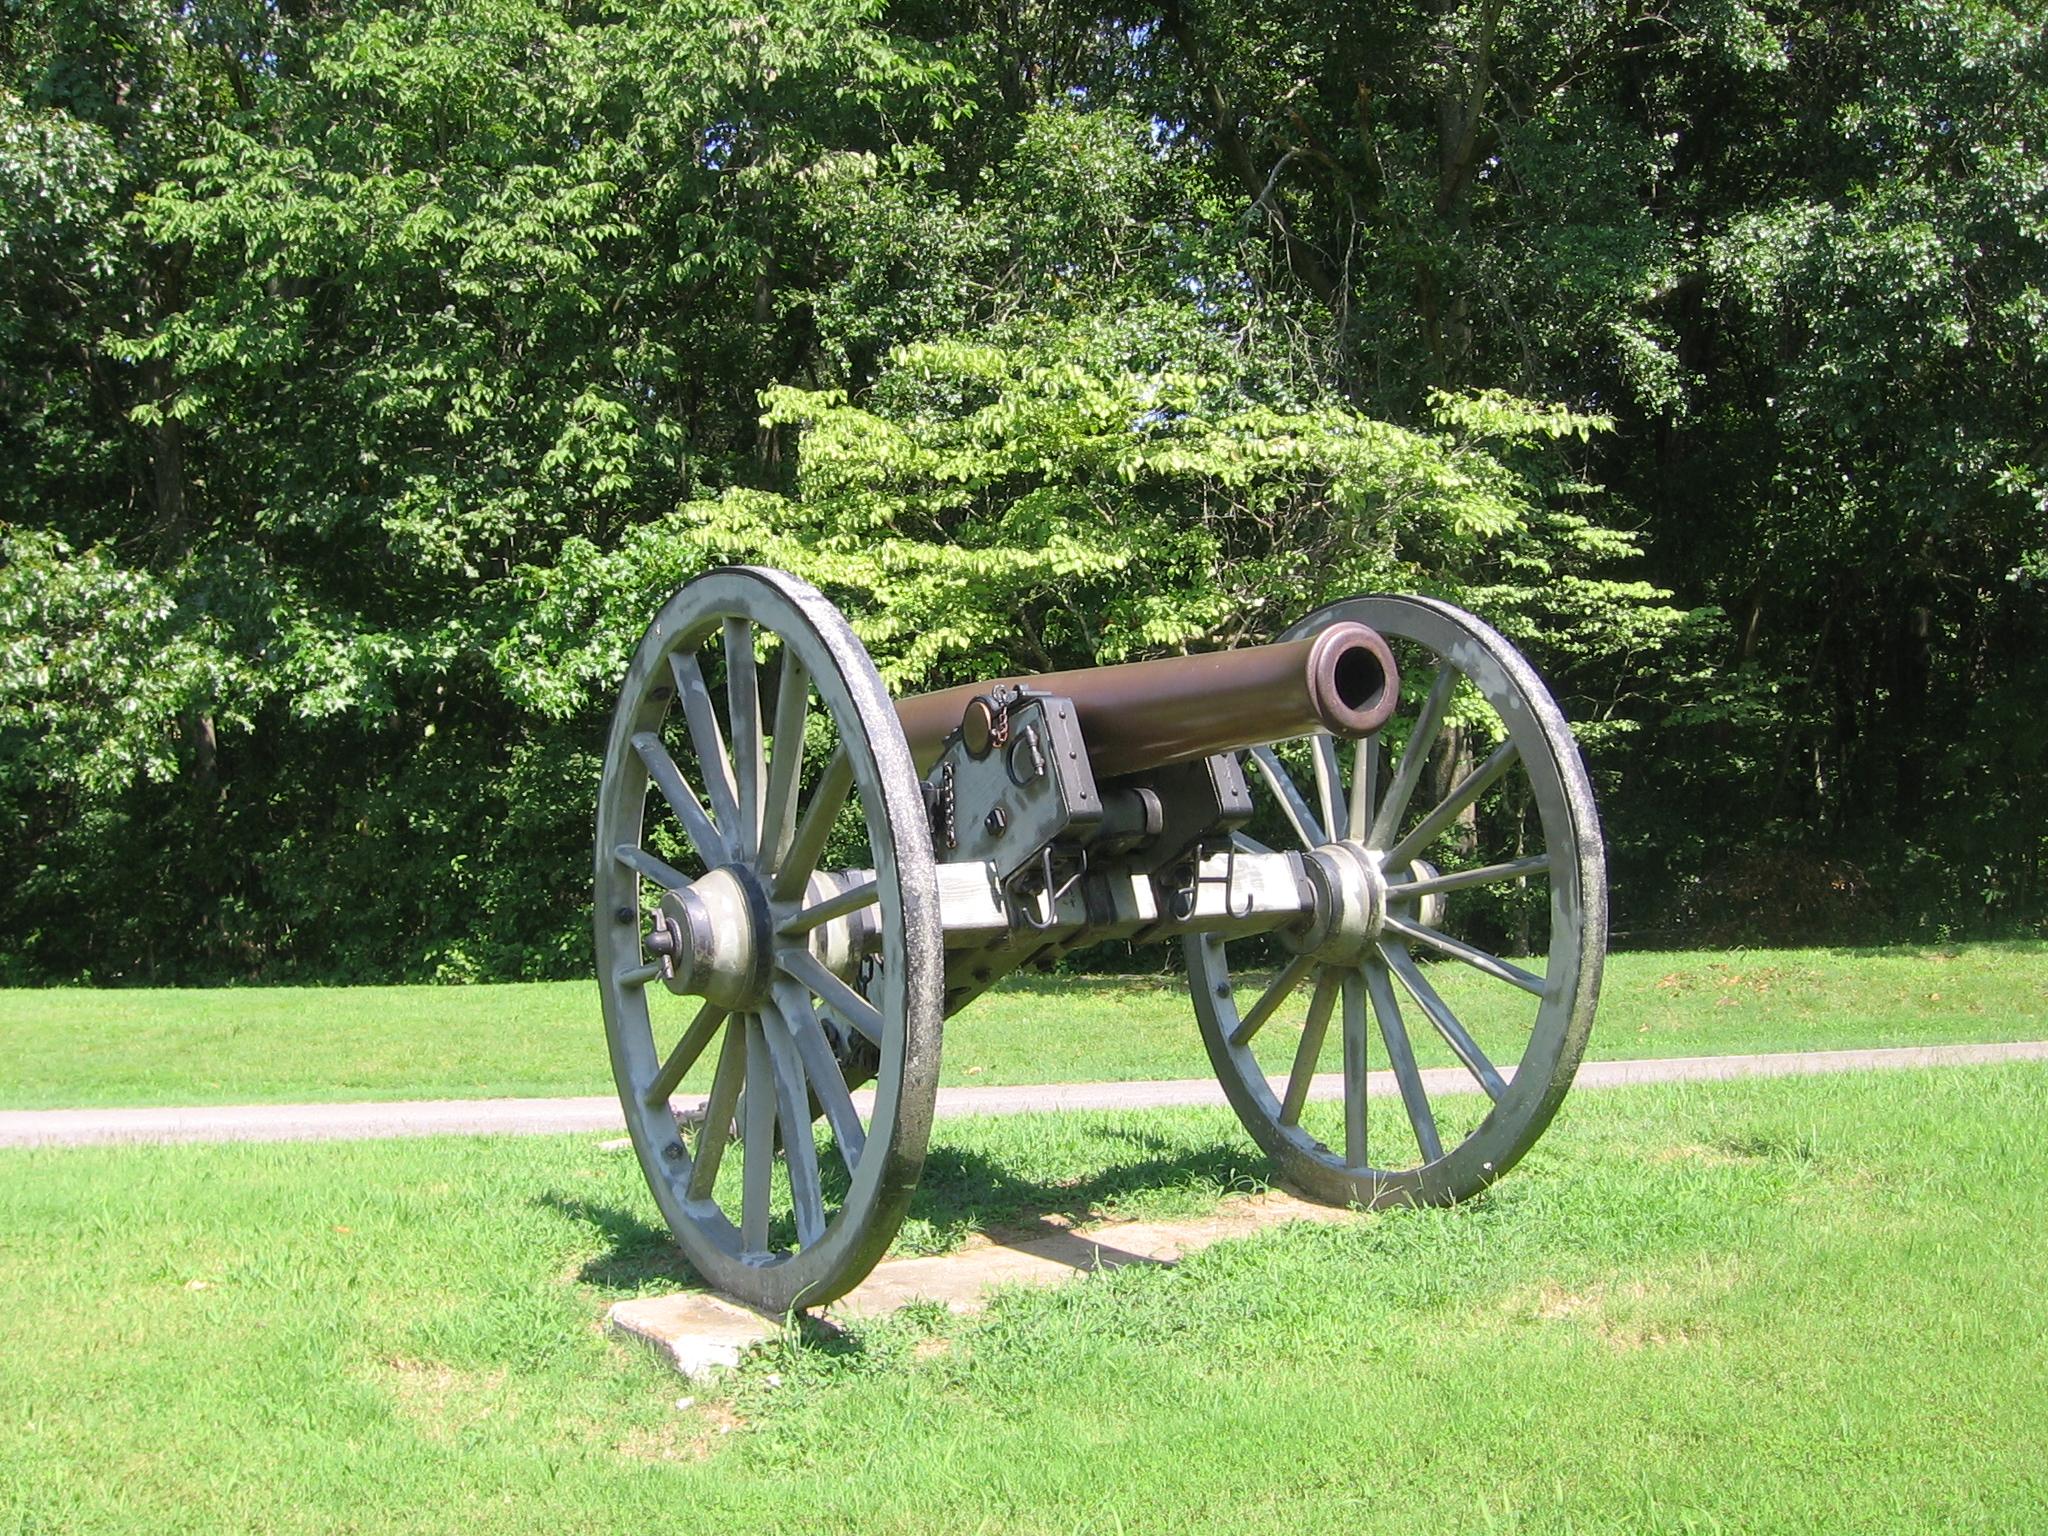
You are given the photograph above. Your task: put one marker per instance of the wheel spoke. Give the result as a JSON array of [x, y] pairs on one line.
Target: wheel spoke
[[726, 1082], [637, 975], [865, 894], [809, 842], [786, 761], [835, 994], [1365, 760], [1458, 879], [1478, 959], [682, 800], [1329, 782], [1401, 1056], [799, 1147], [1311, 1047], [1462, 1045], [660, 871], [821, 1067], [743, 708], [1413, 756], [1275, 994], [757, 1141], [1299, 816], [707, 739], [1468, 789], [1354, 1071], [1248, 844], [685, 1055]]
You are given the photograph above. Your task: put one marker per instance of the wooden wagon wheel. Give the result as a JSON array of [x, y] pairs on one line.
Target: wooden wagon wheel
[[1376, 845], [799, 982]]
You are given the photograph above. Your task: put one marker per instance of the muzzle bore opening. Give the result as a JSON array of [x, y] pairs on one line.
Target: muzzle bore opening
[[1359, 677], [1353, 681]]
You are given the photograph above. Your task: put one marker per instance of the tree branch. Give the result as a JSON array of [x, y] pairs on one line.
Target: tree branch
[[1303, 259]]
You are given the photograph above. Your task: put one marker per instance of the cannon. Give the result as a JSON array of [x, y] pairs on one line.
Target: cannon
[[798, 880]]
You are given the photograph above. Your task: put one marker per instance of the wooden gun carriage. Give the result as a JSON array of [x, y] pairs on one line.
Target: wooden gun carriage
[[827, 875]]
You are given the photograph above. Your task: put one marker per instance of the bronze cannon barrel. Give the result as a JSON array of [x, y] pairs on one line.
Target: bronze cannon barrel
[[1146, 714]]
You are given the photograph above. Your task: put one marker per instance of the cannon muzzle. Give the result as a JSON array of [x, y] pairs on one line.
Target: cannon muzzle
[[1146, 714]]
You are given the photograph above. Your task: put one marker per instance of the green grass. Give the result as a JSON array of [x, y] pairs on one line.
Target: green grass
[[1805, 1306], [75, 1047]]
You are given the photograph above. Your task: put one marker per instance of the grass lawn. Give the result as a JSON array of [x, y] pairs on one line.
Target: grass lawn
[[74, 1047], [1801, 1306]]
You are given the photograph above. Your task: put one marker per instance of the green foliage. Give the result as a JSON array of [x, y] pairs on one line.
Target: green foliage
[[1795, 253], [103, 668], [369, 372], [991, 509]]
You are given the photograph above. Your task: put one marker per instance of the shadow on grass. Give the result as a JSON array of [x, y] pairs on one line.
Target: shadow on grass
[[961, 1193], [637, 1252], [965, 1192], [2017, 943]]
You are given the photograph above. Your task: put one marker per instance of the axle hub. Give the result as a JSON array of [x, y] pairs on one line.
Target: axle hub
[[1352, 898], [1350, 903], [716, 937]]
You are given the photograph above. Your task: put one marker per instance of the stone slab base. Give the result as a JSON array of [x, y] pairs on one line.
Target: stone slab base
[[702, 1332], [698, 1331]]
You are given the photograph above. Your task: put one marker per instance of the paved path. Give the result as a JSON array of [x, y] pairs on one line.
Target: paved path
[[530, 1117]]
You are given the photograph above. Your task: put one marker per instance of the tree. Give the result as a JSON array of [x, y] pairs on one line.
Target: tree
[[368, 373]]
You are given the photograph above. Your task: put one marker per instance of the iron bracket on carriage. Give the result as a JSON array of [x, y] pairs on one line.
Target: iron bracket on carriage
[[1372, 813]]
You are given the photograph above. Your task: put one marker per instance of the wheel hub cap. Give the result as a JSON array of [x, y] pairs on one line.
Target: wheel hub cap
[[714, 940]]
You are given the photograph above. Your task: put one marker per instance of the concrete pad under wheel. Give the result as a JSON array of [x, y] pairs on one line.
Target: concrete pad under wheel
[[702, 1332]]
